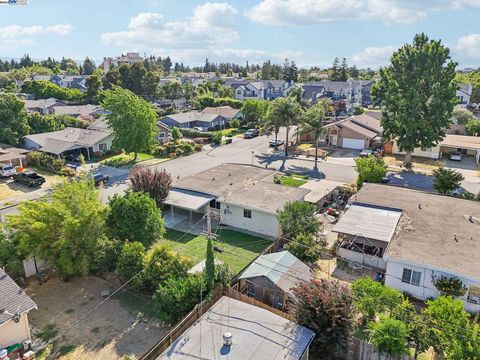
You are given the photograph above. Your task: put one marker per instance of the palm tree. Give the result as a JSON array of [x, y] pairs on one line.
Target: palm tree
[[312, 122], [287, 111], [272, 122]]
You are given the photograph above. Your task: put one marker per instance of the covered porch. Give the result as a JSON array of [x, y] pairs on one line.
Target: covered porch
[[188, 211]]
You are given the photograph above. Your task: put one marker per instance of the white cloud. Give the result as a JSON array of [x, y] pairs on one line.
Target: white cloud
[[468, 46], [211, 25], [373, 56], [16, 35], [311, 12], [18, 32]]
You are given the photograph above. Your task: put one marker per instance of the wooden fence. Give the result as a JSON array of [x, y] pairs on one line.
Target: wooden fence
[[360, 350], [182, 326]]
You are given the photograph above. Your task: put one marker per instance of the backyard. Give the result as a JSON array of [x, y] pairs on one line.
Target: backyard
[[291, 179], [239, 248], [122, 326]]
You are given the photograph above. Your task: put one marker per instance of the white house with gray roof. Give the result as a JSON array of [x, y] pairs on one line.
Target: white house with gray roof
[[194, 119], [59, 143], [241, 196], [15, 305]]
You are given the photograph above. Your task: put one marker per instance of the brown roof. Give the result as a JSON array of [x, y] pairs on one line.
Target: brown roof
[[462, 141], [12, 298], [368, 121], [426, 232], [226, 111], [348, 124]]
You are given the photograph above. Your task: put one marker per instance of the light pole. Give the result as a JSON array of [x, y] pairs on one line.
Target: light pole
[[253, 153]]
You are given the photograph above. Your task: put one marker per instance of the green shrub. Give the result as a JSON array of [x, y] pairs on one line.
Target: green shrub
[[178, 296], [217, 138], [191, 133], [163, 263], [370, 169], [45, 161], [235, 123], [131, 261], [187, 148], [390, 336]]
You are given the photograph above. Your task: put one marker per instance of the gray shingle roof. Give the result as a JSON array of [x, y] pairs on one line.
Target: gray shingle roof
[[12, 298], [191, 116]]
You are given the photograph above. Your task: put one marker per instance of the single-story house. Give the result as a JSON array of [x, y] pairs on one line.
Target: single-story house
[[163, 133], [63, 142], [15, 305], [227, 112], [271, 278], [42, 106], [364, 231], [436, 236], [467, 145], [242, 196], [257, 334], [175, 103], [87, 111], [356, 132], [194, 119]]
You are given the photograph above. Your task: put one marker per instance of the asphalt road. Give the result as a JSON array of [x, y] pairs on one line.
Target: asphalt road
[[245, 151]]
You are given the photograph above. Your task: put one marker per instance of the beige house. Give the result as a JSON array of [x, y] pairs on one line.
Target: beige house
[[14, 307], [356, 132]]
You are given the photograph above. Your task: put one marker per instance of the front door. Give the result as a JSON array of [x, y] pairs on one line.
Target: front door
[[333, 140]]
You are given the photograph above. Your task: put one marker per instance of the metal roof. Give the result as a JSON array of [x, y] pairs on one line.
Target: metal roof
[[281, 268], [189, 200], [257, 334], [12, 298], [370, 221]]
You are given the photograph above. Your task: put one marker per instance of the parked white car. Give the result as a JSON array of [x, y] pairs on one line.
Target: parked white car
[[456, 156], [7, 170]]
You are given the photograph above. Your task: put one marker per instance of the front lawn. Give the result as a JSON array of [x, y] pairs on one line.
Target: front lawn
[[290, 179], [239, 248], [125, 159]]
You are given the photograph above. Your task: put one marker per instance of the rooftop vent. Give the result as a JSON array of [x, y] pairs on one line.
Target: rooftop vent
[[227, 339]]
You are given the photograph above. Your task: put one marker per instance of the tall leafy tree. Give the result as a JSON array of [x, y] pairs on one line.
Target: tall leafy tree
[[343, 74], [254, 110], [312, 122], [335, 71], [326, 308], [272, 123], [417, 94], [112, 78], [133, 120], [370, 169], [88, 66], [94, 85], [150, 84], [135, 217], [290, 71], [13, 119], [390, 336], [64, 230], [287, 111], [157, 183], [298, 217]]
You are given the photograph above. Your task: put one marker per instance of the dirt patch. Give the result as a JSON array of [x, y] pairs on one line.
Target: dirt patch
[[422, 165], [116, 329], [12, 190]]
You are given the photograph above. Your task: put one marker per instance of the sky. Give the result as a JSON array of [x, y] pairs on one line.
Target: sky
[[311, 32]]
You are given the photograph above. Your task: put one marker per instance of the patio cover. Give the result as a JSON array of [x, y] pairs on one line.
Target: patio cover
[[188, 200], [370, 221]]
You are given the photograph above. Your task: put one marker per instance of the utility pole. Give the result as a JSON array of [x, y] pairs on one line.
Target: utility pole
[[209, 222]]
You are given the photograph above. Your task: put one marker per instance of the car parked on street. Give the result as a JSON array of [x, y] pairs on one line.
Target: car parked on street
[[276, 143], [251, 133], [29, 178], [455, 156]]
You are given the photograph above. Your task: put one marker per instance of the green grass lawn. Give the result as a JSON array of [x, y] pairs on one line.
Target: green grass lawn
[[126, 159], [292, 179], [239, 249]]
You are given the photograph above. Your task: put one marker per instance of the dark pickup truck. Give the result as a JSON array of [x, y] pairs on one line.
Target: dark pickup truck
[[29, 178]]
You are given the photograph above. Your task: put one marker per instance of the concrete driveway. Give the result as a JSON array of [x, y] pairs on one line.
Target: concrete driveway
[[467, 167], [344, 157]]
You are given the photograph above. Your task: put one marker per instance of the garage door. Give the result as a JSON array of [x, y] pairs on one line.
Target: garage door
[[349, 143]]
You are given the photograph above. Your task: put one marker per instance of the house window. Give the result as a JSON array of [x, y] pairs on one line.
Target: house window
[[247, 213], [161, 135], [474, 294], [102, 147], [250, 289], [411, 277]]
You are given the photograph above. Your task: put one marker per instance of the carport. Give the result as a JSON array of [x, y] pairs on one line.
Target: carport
[[12, 156], [183, 205], [468, 145]]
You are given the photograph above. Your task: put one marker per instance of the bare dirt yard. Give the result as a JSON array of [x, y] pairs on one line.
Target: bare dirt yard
[[122, 328]]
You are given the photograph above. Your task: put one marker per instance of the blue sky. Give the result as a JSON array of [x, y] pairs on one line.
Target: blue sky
[[312, 32]]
